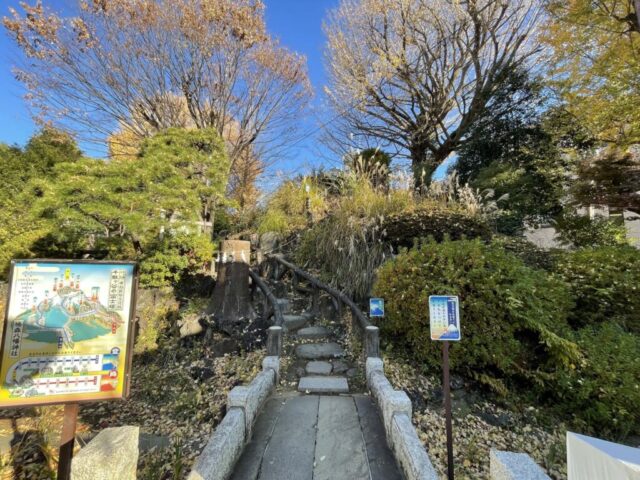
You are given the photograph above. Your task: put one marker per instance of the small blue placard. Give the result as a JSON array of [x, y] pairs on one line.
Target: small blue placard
[[444, 318], [376, 307]]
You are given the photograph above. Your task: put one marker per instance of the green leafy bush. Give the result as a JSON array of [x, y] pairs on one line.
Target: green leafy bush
[[174, 257], [513, 317], [433, 220], [581, 231], [602, 396], [605, 283], [532, 255]]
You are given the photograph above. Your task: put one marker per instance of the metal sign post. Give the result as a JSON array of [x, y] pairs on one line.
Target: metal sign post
[[67, 440], [444, 322], [447, 407]]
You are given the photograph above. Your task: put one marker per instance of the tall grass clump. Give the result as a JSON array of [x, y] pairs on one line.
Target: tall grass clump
[[349, 244]]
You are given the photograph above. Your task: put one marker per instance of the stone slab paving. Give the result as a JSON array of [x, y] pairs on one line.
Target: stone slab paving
[[323, 384], [318, 368], [381, 461], [319, 351], [310, 437], [340, 450]]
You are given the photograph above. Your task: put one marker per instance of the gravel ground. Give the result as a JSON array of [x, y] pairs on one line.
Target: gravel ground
[[478, 425]]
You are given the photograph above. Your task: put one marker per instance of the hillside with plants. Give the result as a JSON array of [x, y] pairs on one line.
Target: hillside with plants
[[489, 153]]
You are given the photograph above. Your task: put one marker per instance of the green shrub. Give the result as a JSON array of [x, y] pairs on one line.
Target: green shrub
[[433, 220], [603, 395], [532, 255], [513, 317], [605, 283], [174, 257], [581, 231]]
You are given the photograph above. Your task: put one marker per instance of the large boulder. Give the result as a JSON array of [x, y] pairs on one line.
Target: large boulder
[[111, 455]]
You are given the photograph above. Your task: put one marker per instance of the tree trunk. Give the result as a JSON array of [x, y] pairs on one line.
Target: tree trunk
[[424, 163], [231, 302]]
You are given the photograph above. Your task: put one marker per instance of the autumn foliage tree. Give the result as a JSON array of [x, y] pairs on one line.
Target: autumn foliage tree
[[596, 46], [415, 74], [137, 67]]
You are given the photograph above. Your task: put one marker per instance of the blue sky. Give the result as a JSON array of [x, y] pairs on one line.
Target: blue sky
[[297, 23]]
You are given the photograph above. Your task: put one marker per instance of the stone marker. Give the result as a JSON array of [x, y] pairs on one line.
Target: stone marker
[[111, 455]]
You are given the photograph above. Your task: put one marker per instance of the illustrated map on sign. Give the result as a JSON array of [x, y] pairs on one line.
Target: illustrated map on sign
[[444, 318], [67, 332]]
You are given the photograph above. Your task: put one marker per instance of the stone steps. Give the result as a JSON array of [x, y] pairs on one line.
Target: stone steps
[[323, 384], [319, 351], [296, 322], [313, 333], [318, 368]]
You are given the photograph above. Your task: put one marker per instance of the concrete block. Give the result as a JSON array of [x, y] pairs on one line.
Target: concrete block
[[225, 446], [373, 364], [514, 466], [408, 450], [251, 397], [272, 363], [111, 455]]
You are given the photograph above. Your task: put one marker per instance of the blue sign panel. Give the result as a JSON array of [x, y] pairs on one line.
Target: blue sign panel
[[376, 307], [444, 318]]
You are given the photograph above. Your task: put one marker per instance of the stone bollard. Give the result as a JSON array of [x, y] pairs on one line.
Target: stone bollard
[[372, 342], [274, 341], [111, 455]]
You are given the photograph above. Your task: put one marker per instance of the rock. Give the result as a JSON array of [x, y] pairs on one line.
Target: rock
[[294, 322], [352, 372], [190, 326], [300, 372], [269, 242], [111, 455], [340, 367]]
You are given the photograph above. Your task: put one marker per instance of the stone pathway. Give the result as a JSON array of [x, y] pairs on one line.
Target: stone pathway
[[311, 437]]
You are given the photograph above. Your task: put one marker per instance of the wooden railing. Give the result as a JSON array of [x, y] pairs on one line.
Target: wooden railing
[[271, 307], [340, 300]]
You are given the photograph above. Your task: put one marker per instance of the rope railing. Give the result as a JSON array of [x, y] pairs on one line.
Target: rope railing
[[372, 336]]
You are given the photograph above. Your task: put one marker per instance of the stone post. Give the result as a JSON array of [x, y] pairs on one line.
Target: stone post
[[372, 342], [274, 341]]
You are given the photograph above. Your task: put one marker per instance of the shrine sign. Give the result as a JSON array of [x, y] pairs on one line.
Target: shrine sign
[[68, 332]]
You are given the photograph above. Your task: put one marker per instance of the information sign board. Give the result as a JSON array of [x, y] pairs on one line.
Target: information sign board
[[444, 318], [376, 307], [68, 332]]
